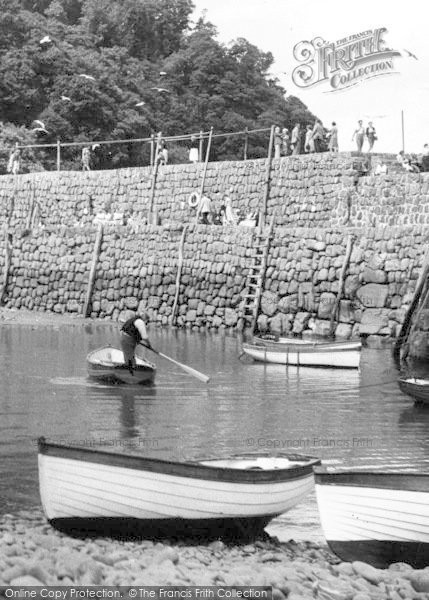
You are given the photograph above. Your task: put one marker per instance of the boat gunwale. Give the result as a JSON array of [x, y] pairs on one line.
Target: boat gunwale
[[187, 469], [304, 349], [385, 480], [310, 344], [147, 366]]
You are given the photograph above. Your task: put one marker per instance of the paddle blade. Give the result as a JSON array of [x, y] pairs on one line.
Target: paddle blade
[[190, 370]]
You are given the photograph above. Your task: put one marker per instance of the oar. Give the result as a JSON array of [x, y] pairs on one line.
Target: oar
[[189, 370]]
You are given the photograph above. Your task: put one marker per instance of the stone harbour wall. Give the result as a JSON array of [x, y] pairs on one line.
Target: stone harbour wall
[[137, 269], [314, 190]]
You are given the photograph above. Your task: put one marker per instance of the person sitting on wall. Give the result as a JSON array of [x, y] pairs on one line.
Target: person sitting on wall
[[14, 163], [162, 156], [132, 333]]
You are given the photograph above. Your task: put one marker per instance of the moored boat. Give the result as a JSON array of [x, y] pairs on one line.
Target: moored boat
[[83, 487], [376, 517], [107, 364], [416, 388], [332, 354]]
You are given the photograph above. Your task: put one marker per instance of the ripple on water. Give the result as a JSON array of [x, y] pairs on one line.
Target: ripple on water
[[350, 418]]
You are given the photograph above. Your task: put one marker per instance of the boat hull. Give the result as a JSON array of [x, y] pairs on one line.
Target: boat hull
[[380, 518], [338, 356], [107, 365], [86, 486], [417, 389]]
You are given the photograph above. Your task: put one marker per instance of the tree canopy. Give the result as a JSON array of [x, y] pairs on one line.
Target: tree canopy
[[116, 69]]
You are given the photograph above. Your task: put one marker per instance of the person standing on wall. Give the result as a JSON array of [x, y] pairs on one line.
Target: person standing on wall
[[318, 135], [371, 135], [359, 135], [296, 139], [333, 138], [204, 209], [278, 142], [194, 150], [132, 333], [86, 158], [14, 163], [285, 141]]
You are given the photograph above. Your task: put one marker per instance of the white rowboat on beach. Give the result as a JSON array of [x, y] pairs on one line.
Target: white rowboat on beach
[[79, 485], [375, 517]]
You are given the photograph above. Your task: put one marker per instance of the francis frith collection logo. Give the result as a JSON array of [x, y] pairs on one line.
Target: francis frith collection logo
[[343, 63]]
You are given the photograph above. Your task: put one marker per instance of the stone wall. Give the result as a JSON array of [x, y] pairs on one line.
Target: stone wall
[[137, 269], [304, 190]]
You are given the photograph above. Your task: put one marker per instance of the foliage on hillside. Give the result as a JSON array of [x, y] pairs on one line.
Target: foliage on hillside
[[98, 69]]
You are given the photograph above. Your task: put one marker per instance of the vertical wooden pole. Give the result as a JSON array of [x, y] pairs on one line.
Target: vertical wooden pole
[[403, 130], [152, 149], [203, 180], [246, 143], [7, 262], [200, 151], [341, 282], [268, 176], [95, 255], [179, 275], [58, 155], [154, 178]]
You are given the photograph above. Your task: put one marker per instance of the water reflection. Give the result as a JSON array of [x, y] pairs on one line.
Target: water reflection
[[357, 418]]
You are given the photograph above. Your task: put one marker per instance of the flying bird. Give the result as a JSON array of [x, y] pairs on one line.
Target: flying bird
[[87, 76], [45, 40], [140, 103], [162, 73], [66, 98], [160, 90], [410, 54]]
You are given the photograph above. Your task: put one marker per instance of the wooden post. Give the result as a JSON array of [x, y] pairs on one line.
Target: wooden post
[[154, 178], [58, 155], [200, 151], [268, 175], [95, 255], [31, 210], [246, 143], [203, 180], [403, 130], [152, 149], [343, 272], [179, 275], [7, 262]]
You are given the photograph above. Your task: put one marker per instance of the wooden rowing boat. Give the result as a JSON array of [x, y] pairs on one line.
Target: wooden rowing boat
[[81, 487], [107, 364], [299, 343], [416, 388], [331, 354], [376, 517]]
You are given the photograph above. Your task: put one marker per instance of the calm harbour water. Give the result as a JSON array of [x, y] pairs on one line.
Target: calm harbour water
[[345, 417]]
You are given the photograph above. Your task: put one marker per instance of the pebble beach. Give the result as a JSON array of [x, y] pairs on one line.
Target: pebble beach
[[32, 553]]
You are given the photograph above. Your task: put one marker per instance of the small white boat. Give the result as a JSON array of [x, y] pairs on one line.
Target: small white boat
[[81, 487], [376, 517], [107, 364], [302, 353]]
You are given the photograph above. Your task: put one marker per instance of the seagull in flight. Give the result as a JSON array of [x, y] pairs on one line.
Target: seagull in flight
[[66, 98], [87, 76], [41, 128], [45, 40], [160, 90], [410, 54], [140, 103]]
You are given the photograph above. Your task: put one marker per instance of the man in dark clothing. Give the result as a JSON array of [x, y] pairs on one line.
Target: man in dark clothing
[[132, 332]]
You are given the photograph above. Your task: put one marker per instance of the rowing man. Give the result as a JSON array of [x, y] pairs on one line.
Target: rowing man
[[133, 332]]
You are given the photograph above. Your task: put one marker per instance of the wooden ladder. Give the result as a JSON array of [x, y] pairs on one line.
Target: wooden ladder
[[256, 277]]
